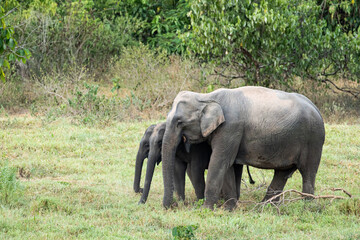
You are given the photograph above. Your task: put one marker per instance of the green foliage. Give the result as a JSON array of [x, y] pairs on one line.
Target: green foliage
[[90, 33], [89, 106], [199, 203], [10, 188], [343, 13], [88, 101], [271, 42], [67, 34], [164, 22], [184, 232], [167, 22], [9, 50], [151, 78]]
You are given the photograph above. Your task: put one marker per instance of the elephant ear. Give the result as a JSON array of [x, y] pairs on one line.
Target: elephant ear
[[211, 117]]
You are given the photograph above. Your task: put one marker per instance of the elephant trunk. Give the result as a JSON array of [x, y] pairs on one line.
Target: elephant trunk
[[140, 157], [170, 142], [152, 159]]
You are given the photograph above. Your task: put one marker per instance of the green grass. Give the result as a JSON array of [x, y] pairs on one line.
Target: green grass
[[78, 185]]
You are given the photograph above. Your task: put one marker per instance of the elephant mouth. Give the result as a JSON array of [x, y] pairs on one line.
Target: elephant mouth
[[186, 143], [187, 140], [158, 161]]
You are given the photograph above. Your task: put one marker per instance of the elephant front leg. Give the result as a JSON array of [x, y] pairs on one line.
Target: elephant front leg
[[196, 175], [222, 158], [229, 190], [179, 178]]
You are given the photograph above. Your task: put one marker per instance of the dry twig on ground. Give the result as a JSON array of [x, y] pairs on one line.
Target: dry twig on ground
[[280, 198]]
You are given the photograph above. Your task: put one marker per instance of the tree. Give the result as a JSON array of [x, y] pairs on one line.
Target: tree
[[9, 50], [271, 42]]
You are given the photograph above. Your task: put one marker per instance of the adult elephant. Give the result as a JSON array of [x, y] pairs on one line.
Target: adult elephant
[[193, 159], [254, 126]]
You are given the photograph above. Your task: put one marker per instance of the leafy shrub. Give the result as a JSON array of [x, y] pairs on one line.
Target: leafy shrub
[[269, 43], [88, 106], [166, 21], [9, 49], [337, 12], [151, 78], [184, 232], [61, 36], [10, 188]]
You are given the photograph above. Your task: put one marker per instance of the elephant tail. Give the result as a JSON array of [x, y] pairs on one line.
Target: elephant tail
[[251, 180]]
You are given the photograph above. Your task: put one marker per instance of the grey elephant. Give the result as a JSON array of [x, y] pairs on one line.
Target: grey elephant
[[256, 126], [193, 159], [142, 154]]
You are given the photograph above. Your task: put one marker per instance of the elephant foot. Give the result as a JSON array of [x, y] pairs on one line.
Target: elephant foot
[[140, 190], [208, 206], [172, 206], [142, 200], [181, 197], [270, 195], [230, 204]]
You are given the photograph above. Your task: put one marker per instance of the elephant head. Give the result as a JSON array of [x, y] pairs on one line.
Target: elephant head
[[154, 157], [193, 118], [142, 153]]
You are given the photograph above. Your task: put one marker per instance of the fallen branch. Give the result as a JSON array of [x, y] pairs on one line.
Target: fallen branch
[[280, 198], [338, 189], [304, 195]]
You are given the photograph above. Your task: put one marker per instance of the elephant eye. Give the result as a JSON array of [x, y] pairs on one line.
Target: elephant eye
[[179, 123]]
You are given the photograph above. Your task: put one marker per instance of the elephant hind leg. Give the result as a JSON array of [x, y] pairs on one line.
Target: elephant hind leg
[[277, 184], [179, 178], [309, 169]]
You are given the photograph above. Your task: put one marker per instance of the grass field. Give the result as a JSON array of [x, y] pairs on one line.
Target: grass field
[[77, 184]]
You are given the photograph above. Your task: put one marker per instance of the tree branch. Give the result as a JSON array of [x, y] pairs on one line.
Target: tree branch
[[353, 92], [227, 76], [8, 13], [339, 189]]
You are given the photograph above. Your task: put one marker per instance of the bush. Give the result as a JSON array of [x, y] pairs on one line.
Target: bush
[[184, 232], [151, 79], [67, 35], [87, 106], [10, 188], [270, 43]]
